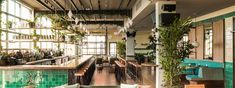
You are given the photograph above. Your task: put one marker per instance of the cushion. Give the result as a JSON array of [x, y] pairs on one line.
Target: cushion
[[144, 86], [68, 86], [129, 86]]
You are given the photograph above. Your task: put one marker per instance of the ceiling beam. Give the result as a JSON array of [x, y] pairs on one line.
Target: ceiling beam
[[120, 4], [58, 4], [128, 3], [46, 6], [91, 5], [81, 4], [74, 5], [120, 23], [92, 12]]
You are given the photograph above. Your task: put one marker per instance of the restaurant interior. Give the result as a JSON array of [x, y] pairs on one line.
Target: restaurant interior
[[117, 43]]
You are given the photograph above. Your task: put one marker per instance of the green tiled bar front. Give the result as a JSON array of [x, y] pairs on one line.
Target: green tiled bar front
[[37, 78], [228, 74]]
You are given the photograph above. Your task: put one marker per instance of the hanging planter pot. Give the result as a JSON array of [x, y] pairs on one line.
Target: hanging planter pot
[[35, 37], [31, 24], [62, 38]]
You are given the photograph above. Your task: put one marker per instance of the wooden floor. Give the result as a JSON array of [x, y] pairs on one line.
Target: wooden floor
[[106, 77]]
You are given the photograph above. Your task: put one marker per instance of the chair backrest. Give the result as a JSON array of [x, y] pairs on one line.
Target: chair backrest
[[99, 60]]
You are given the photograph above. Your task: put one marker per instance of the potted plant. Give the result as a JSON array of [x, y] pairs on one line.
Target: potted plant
[[4, 57], [172, 50], [121, 49], [9, 24]]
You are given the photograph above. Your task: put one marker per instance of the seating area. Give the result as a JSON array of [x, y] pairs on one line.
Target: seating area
[[202, 72], [85, 72]]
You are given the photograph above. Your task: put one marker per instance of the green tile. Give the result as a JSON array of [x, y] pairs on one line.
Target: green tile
[[41, 78]]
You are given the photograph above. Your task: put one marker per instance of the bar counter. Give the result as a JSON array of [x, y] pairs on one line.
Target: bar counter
[[72, 64], [41, 76]]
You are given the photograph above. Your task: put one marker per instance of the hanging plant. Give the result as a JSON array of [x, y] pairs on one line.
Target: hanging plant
[[173, 50], [58, 22], [152, 45], [9, 24]]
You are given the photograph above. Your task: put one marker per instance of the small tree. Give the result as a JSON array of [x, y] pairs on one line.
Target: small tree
[[121, 49], [172, 51]]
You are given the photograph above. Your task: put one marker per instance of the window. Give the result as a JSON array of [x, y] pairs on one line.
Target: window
[[208, 41], [4, 6], [26, 13], [112, 49], [93, 44]]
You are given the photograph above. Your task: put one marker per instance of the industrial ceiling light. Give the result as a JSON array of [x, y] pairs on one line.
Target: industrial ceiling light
[[70, 14], [130, 22], [84, 28], [76, 20], [69, 27], [80, 25], [128, 25]]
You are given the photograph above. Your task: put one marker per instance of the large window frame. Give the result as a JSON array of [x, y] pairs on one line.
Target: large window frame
[[113, 49], [11, 11], [95, 43]]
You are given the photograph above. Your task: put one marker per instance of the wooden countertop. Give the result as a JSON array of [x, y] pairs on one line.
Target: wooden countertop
[[44, 60], [73, 64]]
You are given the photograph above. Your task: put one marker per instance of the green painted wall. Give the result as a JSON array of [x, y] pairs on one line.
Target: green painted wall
[[228, 74], [39, 78], [228, 65]]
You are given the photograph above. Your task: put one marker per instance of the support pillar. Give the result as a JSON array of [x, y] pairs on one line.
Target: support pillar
[[130, 44]]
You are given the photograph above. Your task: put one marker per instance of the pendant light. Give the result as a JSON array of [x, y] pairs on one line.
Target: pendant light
[[76, 20], [70, 14], [80, 25]]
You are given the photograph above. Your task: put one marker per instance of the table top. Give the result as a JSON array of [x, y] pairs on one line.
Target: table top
[[72, 64]]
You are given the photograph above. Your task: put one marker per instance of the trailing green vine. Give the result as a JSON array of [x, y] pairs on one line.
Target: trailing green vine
[[172, 51]]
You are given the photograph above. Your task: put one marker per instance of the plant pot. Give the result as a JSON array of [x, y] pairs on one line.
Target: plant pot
[[31, 24], [3, 63]]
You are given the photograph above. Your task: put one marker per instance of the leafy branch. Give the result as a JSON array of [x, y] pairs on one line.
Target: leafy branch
[[173, 50]]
